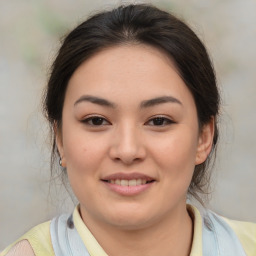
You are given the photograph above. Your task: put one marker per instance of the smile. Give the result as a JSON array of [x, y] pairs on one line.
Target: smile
[[134, 182], [128, 184]]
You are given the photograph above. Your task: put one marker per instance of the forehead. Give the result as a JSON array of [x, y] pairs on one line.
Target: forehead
[[137, 70]]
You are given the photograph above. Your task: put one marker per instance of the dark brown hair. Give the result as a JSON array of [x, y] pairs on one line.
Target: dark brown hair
[[140, 24]]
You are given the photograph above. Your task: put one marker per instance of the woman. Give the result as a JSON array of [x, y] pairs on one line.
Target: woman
[[133, 103]]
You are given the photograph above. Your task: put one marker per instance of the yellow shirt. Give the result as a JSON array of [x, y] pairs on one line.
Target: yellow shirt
[[40, 239]]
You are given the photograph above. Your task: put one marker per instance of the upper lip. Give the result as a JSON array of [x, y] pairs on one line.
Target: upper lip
[[127, 176]]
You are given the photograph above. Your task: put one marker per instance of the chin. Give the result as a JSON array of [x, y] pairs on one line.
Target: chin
[[129, 219]]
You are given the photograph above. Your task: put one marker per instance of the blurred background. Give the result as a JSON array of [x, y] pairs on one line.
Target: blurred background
[[30, 32]]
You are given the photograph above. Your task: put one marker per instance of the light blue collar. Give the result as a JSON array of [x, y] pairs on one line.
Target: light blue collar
[[218, 237], [65, 238]]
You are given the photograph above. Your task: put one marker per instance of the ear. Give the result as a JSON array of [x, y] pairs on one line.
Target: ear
[[59, 144], [205, 141]]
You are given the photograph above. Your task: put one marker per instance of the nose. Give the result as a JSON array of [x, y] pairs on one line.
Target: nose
[[127, 145]]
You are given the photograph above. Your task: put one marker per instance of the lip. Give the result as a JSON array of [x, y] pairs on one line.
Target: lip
[[127, 176], [128, 190]]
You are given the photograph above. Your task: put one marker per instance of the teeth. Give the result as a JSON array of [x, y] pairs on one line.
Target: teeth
[[128, 182], [124, 182], [132, 182], [138, 182]]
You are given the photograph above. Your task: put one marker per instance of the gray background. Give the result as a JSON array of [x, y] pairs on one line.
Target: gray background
[[29, 37]]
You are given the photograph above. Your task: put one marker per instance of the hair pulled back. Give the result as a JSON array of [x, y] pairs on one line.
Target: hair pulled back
[[139, 24]]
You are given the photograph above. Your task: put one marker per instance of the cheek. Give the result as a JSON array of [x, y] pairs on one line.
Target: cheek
[[85, 158], [83, 153], [177, 152]]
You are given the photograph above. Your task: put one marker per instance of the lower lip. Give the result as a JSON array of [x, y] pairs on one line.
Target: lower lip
[[128, 190]]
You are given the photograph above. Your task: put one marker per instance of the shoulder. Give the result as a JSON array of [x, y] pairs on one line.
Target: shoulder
[[38, 238], [236, 232], [220, 234], [246, 233]]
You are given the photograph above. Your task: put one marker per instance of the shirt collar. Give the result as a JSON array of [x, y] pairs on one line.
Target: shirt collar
[[197, 244], [95, 249], [91, 244]]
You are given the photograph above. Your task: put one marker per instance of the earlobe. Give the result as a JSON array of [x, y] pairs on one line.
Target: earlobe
[[59, 144], [205, 142]]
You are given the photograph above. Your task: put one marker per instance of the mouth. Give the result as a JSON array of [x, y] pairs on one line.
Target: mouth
[[128, 184]]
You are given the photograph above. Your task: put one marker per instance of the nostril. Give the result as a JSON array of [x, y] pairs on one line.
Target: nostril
[[127, 160]]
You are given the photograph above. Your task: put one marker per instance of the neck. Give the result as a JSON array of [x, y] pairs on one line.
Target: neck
[[171, 236]]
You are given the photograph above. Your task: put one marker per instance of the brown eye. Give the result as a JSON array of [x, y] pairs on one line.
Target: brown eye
[[159, 121], [96, 121]]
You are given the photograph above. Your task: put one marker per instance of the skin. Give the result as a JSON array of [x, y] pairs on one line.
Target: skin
[[130, 139]]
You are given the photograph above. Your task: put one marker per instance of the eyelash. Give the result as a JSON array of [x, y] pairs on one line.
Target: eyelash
[[95, 118], [164, 121]]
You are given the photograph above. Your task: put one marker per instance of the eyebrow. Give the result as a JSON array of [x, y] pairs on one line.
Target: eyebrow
[[159, 100], [144, 104], [95, 100]]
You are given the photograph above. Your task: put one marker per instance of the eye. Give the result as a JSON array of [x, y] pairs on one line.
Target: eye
[[159, 121], [96, 121]]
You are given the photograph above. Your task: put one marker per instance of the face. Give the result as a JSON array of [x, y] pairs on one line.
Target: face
[[130, 138]]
